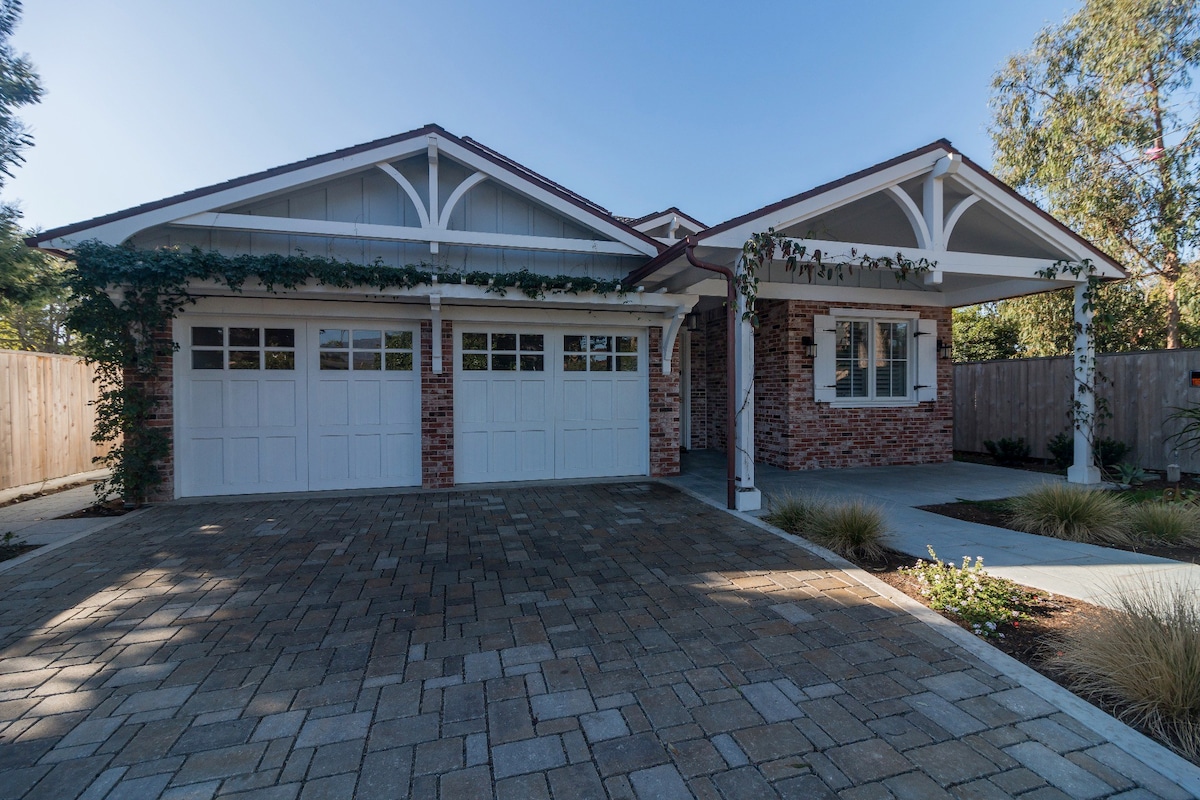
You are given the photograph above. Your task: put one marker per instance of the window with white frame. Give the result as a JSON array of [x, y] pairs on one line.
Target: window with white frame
[[874, 360]]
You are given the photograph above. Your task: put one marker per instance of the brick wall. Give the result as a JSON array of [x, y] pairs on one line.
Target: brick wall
[[162, 390], [437, 410], [709, 373], [664, 409], [793, 431]]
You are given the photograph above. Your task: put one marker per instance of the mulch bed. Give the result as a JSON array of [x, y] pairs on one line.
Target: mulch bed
[[14, 550], [108, 508], [986, 515], [1032, 641]]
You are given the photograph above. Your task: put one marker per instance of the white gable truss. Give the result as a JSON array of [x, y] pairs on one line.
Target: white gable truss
[[932, 203], [216, 208], [669, 225]]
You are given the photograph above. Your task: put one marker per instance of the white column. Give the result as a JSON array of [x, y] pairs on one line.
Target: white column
[[1084, 470], [747, 497]]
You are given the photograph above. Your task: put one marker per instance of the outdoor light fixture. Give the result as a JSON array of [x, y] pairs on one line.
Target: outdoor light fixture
[[944, 349], [808, 347], [692, 322]]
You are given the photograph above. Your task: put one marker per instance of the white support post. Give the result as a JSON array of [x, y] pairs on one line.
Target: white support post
[[435, 332], [1084, 470], [434, 205], [747, 497]]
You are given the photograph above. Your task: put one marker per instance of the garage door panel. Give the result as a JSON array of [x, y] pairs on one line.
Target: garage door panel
[[279, 404], [472, 453], [503, 453], [332, 406], [534, 451], [207, 462], [207, 402], [630, 447], [533, 400], [573, 407], [472, 401], [600, 400], [400, 454], [332, 458], [631, 403], [280, 454], [243, 463], [365, 409], [399, 398], [367, 455], [603, 456], [503, 400], [243, 404]]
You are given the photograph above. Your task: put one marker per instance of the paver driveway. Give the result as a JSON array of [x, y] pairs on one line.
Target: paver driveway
[[616, 640]]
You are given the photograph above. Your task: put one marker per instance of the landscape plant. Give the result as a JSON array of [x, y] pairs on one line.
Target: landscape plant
[[1008, 452], [853, 529], [1157, 522], [1070, 512], [986, 603], [1145, 655]]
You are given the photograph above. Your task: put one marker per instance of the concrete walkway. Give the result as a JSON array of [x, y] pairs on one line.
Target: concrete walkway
[[35, 520], [1083, 571], [593, 642]]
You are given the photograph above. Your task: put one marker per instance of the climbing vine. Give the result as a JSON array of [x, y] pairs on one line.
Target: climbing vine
[[1087, 376], [124, 301], [761, 249]]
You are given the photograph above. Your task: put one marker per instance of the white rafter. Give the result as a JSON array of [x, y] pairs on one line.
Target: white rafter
[[451, 201], [411, 190], [915, 218]]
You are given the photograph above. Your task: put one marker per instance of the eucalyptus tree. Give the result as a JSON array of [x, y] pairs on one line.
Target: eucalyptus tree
[[1097, 123]]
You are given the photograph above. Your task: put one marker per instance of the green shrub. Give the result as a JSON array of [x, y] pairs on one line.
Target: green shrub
[[1146, 654], [1008, 452], [1069, 512], [1168, 523], [791, 512], [984, 602], [1062, 449], [1110, 452], [851, 528]]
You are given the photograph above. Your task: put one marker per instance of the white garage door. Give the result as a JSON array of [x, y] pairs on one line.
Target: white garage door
[[295, 405], [534, 403]]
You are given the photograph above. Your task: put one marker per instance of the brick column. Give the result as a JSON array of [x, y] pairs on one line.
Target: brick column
[[664, 409], [160, 388], [437, 410]]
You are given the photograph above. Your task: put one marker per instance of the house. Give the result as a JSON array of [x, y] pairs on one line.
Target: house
[[449, 382]]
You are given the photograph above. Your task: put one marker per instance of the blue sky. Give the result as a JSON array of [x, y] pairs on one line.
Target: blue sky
[[717, 107]]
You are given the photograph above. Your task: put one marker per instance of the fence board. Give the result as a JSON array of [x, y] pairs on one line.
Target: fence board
[[1031, 398], [46, 417]]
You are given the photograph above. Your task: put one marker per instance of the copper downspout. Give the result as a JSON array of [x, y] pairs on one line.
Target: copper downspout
[[730, 367]]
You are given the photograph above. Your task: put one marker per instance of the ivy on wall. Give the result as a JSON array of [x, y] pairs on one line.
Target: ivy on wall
[[124, 301]]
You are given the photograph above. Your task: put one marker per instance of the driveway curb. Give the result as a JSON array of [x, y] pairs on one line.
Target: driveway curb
[[1150, 752]]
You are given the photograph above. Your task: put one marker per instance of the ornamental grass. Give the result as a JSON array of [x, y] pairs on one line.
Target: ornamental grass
[[1166, 523], [1068, 512], [1144, 658], [853, 529]]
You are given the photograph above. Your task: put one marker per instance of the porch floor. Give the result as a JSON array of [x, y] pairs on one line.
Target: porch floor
[[1083, 571]]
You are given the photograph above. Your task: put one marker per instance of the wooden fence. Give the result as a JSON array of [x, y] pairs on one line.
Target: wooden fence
[[46, 417], [1032, 398]]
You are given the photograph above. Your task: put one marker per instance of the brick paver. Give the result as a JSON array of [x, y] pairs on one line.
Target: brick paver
[[613, 640]]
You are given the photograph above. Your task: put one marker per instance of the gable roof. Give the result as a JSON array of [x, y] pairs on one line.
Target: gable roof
[[920, 158], [666, 212], [585, 209]]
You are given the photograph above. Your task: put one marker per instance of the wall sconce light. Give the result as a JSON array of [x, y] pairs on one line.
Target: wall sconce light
[[692, 322], [808, 348], [944, 349]]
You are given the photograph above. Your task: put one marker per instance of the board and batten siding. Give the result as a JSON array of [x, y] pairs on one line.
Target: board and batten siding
[[1032, 398], [46, 418], [372, 197]]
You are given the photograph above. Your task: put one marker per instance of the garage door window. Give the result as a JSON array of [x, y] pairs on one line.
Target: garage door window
[[600, 353], [243, 348], [366, 350], [504, 352]]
